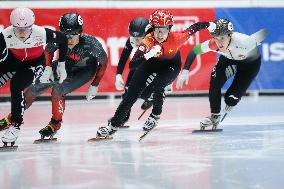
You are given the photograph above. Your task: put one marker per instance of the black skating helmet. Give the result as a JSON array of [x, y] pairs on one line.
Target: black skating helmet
[[71, 23], [223, 27], [138, 27]]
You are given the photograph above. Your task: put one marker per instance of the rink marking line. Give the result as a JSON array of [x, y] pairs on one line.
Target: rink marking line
[[142, 4]]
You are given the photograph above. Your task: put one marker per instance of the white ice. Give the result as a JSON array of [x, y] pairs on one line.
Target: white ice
[[248, 154]]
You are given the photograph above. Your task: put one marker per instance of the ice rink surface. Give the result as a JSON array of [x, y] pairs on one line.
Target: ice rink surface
[[248, 154]]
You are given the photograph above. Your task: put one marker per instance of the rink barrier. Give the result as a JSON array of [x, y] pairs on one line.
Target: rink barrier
[[116, 4], [242, 13], [179, 95]]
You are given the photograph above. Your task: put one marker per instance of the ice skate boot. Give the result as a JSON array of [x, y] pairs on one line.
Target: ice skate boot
[[48, 132], [105, 133], [5, 122], [149, 125], [151, 122], [10, 136], [212, 120]]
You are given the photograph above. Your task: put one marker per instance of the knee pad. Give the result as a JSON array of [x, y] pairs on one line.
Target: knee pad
[[231, 100]]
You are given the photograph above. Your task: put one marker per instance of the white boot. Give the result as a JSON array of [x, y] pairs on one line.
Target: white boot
[[212, 120], [151, 122], [105, 132], [11, 134]]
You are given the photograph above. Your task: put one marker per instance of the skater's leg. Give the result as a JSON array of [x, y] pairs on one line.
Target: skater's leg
[[136, 86], [147, 94], [33, 91], [74, 80], [222, 71], [219, 76], [8, 69], [20, 81], [243, 78], [166, 75]]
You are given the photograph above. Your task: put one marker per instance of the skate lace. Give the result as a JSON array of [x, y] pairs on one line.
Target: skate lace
[[12, 131], [150, 123], [105, 131], [215, 118]]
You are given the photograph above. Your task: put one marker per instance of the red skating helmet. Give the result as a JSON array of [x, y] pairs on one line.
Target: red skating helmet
[[161, 18]]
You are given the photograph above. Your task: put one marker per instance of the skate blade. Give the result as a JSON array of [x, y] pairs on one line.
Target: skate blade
[[8, 148], [47, 140], [99, 139], [207, 131], [3, 128], [145, 134], [142, 114], [124, 127]]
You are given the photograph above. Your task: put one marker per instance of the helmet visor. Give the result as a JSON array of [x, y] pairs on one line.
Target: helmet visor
[[70, 36], [22, 29], [163, 30]]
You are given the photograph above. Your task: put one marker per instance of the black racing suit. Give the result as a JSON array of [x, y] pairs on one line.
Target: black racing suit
[[84, 62]]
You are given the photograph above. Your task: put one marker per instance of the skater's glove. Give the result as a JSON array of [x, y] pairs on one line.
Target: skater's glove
[[61, 71], [92, 92], [47, 75], [119, 83], [183, 77], [156, 51], [212, 27], [169, 88]]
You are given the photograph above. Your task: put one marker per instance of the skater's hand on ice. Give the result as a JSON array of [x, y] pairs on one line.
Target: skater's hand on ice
[[61, 71], [156, 51], [119, 83], [92, 92], [183, 77], [47, 75]]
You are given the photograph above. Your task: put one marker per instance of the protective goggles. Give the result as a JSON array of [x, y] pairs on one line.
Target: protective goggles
[[163, 30], [22, 29], [69, 36]]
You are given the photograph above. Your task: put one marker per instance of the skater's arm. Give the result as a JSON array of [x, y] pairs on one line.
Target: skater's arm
[[60, 39], [148, 48], [251, 42], [197, 27], [124, 56], [259, 36], [49, 53], [202, 48], [101, 60], [3, 48]]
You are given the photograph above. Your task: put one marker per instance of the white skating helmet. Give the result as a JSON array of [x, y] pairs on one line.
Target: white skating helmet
[[22, 17]]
